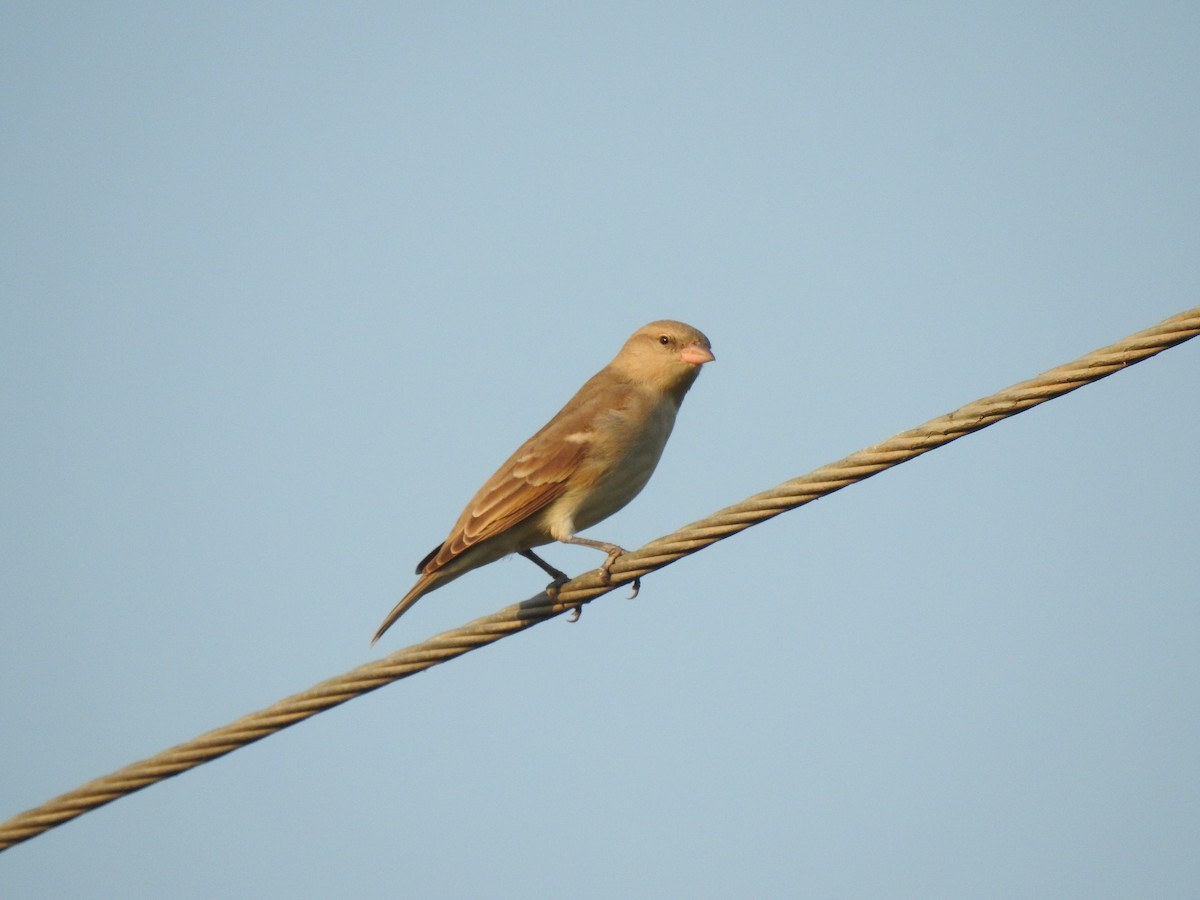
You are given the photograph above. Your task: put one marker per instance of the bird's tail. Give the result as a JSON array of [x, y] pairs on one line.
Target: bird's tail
[[424, 585]]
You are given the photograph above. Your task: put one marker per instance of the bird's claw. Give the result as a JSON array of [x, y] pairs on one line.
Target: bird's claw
[[552, 593], [605, 576], [578, 610]]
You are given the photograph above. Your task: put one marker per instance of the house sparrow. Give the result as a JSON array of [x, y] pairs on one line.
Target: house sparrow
[[586, 463]]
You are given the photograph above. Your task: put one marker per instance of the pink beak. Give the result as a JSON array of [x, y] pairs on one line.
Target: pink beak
[[696, 355]]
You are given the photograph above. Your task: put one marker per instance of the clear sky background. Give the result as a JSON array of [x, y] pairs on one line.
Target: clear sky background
[[283, 284]]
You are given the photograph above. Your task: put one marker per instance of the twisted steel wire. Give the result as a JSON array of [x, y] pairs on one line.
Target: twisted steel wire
[[654, 555]]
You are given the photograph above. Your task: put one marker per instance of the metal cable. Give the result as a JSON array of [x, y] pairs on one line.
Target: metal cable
[[586, 587]]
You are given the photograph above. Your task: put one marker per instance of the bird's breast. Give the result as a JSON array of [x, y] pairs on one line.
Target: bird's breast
[[627, 447]]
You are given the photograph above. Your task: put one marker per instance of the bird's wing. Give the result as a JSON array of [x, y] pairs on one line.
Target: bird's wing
[[533, 478]]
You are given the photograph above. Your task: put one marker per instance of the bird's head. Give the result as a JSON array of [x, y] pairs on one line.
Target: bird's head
[[666, 355]]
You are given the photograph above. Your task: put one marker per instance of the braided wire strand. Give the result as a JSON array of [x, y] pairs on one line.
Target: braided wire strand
[[586, 587]]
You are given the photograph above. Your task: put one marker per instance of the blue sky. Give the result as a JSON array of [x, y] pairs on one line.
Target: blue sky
[[282, 285]]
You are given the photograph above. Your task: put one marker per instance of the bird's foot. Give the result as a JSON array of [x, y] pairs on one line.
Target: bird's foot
[[613, 553], [552, 587], [552, 593]]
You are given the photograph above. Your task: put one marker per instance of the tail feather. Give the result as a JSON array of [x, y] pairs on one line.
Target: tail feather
[[424, 585]]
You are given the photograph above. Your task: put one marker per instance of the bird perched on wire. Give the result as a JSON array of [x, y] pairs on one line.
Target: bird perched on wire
[[587, 462]]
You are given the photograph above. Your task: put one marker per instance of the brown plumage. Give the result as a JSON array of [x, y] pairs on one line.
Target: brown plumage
[[586, 463]]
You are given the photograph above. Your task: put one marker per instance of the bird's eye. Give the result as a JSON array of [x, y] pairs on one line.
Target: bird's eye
[[664, 339]]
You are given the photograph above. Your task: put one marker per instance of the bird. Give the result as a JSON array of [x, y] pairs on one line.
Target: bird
[[592, 458]]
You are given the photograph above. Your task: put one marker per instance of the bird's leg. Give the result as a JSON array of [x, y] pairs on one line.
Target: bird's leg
[[560, 578], [612, 550]]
